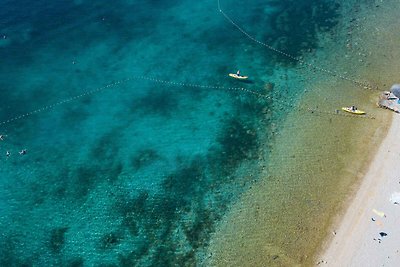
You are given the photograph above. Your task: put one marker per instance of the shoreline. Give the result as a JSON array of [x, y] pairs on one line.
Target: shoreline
[[356, 239], [287, 219]]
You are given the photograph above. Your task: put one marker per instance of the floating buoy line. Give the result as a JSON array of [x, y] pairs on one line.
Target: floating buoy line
[[171, 83], [114, 84], [302, 62], [240, 89]]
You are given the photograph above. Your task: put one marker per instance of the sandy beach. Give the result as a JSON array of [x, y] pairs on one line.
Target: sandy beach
[[359, 238], [328, 174]]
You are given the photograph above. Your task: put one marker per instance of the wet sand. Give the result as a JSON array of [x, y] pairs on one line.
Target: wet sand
[[358, 241]]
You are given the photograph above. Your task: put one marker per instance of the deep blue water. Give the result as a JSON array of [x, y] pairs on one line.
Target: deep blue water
[[137, 174]]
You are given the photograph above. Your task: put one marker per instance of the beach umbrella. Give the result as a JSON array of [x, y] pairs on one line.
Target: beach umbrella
[[395, 89]]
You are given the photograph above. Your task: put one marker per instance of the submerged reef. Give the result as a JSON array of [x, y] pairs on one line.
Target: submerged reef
[[57, 239], [296, 24], [143, 158], [144, 200], [172, 226], [157, 101]]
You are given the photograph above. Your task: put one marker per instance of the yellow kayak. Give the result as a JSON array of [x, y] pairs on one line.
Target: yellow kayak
[[356, 112], [240, 77]]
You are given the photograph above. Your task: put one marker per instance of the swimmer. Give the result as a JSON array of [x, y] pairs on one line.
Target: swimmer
[[2, 137], [8, 153], [22, 152]]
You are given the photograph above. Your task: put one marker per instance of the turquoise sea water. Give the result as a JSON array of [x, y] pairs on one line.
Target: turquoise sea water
[[139, 173]]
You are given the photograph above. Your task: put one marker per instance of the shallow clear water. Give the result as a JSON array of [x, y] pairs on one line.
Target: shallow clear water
[[140, 172]]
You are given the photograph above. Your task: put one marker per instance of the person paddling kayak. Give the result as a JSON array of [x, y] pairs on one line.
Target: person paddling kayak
[[237, 75]]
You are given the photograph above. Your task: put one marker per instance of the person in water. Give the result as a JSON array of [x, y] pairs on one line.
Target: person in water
[[22, 152], [8, 153]]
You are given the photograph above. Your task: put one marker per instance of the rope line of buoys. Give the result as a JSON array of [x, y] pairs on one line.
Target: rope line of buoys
[[318, 111], [311, 110], [61, 102], [152, 79], [332, 73], [308, 109], [248, 91], [339, 113], [91, 92]]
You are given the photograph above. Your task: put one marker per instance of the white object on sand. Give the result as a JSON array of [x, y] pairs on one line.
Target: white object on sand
[[379, 213], [395, 198]]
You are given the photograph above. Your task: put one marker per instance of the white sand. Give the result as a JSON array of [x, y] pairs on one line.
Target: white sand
[[354, 244]]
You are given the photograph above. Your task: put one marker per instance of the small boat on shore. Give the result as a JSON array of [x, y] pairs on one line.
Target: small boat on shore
[[353, 110], [240, 77]]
